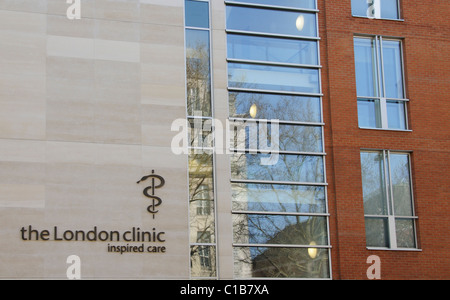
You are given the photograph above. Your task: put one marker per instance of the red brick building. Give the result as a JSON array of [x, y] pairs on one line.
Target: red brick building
[[423, 29]]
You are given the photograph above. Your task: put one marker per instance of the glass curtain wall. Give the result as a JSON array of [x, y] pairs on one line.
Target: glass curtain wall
[[201, 155], [279, 190]]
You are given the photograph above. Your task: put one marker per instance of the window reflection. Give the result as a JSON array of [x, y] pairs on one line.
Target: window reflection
[[279, 210], [270, 21], [276, 107], [284, 230], [278, 198], [260, 262], [197, 14], [203, 262], [294, 168], [309, 4], [198, 72], [201, 197], [388, 205], [272, 49], [273, 78]]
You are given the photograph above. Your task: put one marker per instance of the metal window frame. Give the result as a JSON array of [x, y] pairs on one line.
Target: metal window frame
[[381, 82], [391, 216], [377, 3], [189, 117]]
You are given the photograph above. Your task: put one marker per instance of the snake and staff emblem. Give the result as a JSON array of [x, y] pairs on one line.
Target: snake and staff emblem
[[156, 201]]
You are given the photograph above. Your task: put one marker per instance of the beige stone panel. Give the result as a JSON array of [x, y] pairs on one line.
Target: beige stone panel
[[22, 22], [158, 94], [22, 53], [22, 174], [70, 99], [117, 76], [22, 195], [117, 50], [93, 153], [22, 75], [162, 34], [117, 30], [122, 10], [75, 71], [23, 119], [71, 153], [129, 155], [37, 6], [157, 122], [159, 73], [63, 46], [163, 54], [61, 26], [22, 151], [163, 13], [71, 121], [118, 117]]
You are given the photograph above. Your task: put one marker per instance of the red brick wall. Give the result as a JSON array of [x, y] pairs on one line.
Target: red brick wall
[[426, 32]]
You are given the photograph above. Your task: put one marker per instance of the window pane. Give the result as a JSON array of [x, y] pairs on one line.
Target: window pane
[[279, 230], [264, 262], [200, 133], [396, 114], [405, 233], [271, 21], [366, 67], [198, 72], [197, 14], [288, 3], [393, 73], [389, 9], [369, 114], [401, 184], [295, 168], [201, 190], [203, 261], [276, 107], [377, 232], [300, 138], [278, 198], [273, 78], [360, 8], [373, 182], [272, 49]]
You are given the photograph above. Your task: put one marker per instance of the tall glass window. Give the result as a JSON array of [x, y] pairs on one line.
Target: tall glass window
[[379, 9], [388, 200], [201, 155], [280, 213], [380, 83]]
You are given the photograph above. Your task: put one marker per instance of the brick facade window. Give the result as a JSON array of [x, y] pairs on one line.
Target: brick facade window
[[388, 200], [378, 9], [380, 83]]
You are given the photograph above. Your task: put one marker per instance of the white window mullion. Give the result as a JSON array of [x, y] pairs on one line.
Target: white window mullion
[[384, 114], [391, 218]]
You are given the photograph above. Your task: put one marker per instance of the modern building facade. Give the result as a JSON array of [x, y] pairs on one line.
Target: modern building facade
[[207, 139]]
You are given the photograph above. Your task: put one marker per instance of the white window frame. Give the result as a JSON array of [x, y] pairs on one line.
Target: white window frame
[[391, 216], [377, 9], [381, 84]]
